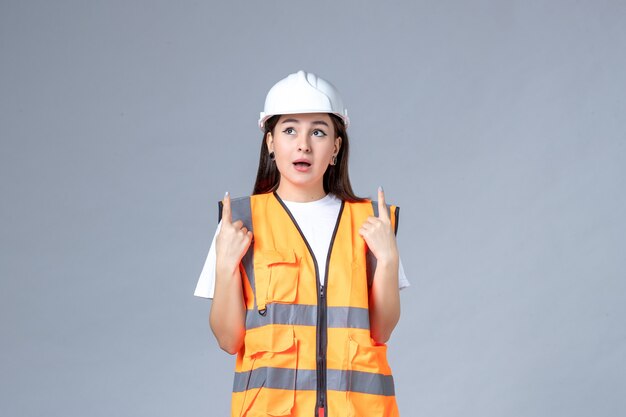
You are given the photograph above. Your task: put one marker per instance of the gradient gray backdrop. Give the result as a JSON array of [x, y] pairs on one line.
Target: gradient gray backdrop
[[497, 126]]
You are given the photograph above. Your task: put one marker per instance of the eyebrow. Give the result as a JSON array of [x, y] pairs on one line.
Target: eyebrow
[[317, 122]]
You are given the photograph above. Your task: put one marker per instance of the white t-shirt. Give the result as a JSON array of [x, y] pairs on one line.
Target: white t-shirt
[[317, 221]]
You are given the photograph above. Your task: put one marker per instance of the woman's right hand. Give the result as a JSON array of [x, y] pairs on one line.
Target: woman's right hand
[[232, 241]]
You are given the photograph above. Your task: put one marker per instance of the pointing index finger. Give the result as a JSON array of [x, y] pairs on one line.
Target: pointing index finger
[[226, 212], [382, 206]]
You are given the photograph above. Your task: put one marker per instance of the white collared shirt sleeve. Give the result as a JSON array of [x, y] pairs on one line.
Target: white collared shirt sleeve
[[403, 282], [206, 283]]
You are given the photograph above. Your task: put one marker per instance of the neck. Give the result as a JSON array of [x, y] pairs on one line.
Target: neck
[[298, 194]]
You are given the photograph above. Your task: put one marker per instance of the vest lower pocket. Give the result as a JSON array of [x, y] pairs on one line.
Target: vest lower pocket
[[369, 377], [365, 356], [276, 277], [271, 353]]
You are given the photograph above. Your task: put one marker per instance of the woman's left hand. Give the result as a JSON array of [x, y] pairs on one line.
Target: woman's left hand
[[378, 233]]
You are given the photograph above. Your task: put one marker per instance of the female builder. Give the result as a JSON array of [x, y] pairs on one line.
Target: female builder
[[303, 274]]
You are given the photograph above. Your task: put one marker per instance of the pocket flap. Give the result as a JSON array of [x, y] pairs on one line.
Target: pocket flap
[[278, 256], [269, 339]]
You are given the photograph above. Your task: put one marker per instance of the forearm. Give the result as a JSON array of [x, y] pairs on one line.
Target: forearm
[[227, 316], [384, 300]]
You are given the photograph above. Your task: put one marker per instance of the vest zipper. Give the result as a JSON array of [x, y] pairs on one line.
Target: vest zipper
[[321, 352], [322, 325]]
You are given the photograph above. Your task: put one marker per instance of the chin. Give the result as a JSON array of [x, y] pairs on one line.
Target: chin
[[302, 182]]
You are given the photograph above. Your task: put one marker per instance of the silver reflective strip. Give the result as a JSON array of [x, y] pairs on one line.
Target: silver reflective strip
[[305, 380], [348, 317], [279, 378], [375, 207], [370, 259], [306, 315], [370, 266], [241, 210], [357, 381]]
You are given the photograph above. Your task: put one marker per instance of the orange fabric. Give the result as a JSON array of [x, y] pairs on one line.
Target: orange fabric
[[285, 273]]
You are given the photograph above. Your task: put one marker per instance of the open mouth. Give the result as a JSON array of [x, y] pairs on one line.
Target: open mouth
[[302, 164]]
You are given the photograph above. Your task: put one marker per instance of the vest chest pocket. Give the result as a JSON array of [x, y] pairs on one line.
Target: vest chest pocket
[[271, 353], [276, 276]]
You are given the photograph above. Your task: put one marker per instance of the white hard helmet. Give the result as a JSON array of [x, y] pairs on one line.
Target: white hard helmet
[[303, 92]]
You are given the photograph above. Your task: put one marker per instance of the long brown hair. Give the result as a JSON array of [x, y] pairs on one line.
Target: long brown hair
[[336, 177]]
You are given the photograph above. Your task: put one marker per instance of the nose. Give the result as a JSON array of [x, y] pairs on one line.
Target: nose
[[303, 144]]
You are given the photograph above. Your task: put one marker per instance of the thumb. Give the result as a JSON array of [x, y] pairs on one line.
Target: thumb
[[382, 207], [226, 212]]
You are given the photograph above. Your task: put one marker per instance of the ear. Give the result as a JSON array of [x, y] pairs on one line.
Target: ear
[[269, 141], [337, 144]]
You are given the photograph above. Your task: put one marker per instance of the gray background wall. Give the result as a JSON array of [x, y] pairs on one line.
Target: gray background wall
[[497, 126]]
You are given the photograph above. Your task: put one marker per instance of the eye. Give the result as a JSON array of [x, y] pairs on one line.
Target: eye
[[319, 133], [289, 131]]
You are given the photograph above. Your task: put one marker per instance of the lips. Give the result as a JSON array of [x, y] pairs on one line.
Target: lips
[[302, 163]]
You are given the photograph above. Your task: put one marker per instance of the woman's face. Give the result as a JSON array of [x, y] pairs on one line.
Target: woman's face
[[303, 146]]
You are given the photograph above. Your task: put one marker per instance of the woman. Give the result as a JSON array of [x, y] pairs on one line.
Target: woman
[[305, 275]]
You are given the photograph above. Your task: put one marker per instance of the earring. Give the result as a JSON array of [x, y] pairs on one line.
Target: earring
[[272, 157], [333, 160]]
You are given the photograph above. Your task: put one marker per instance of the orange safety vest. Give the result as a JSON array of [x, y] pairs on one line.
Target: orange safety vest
[[307, 349]]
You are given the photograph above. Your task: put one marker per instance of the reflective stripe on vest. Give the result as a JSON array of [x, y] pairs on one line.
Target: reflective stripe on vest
[[308, 344], [280, 378]]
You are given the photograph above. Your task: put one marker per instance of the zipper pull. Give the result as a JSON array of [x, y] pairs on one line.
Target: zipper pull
[[320, 412], [322, 291]]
